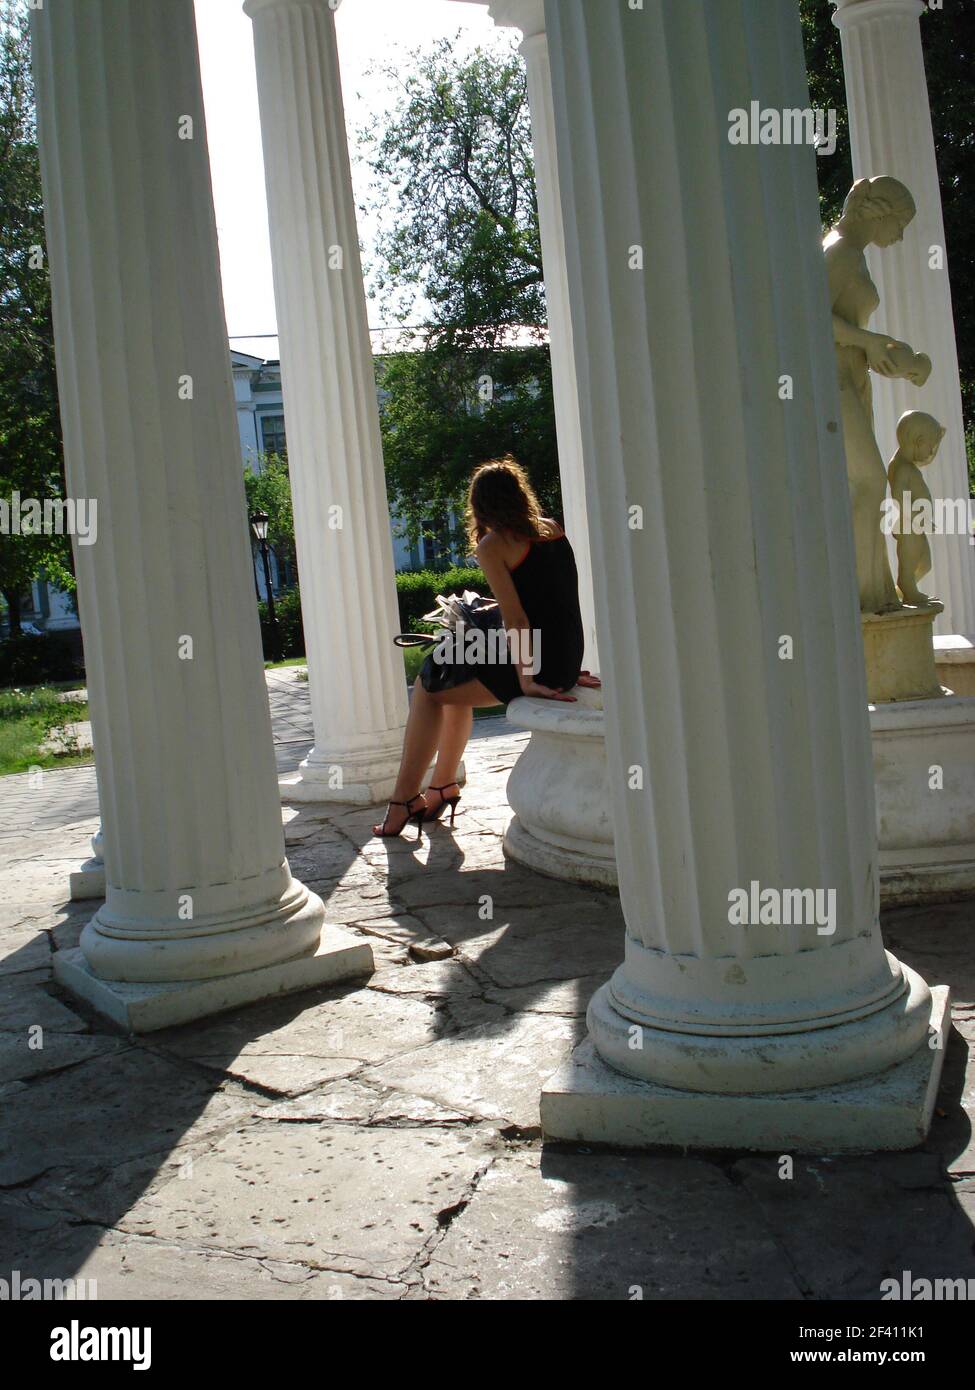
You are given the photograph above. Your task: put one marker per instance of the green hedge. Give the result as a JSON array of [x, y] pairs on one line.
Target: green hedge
[[417, 591], [31, 660], [287, 610]]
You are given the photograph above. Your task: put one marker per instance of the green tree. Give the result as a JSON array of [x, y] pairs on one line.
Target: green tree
[[454, 176], [30, 428], [269, 490], [948, 40]]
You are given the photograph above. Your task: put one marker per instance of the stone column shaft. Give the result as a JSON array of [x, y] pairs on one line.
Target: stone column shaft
[[891, 133], [197, 884], [529, 17], [342, 531], [564, 388], [720, 523]]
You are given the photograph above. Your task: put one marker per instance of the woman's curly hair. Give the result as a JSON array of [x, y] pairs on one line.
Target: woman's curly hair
[[500, 498]]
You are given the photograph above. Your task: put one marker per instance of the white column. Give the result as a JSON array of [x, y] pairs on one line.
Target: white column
[[529, 17], [201, 910], [728, 764], [890, 133], [342, 531]]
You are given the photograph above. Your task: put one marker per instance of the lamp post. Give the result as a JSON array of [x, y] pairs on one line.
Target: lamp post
[[259, 524]]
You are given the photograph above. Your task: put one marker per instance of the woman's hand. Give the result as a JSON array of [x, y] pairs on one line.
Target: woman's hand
[[590, 682], [530, 686], [879, 352]]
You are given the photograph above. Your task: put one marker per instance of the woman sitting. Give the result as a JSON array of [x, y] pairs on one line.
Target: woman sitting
[[528, 562]]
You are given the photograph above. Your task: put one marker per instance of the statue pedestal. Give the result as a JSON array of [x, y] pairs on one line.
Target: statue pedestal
[[562, 823], [924, 762], [898, 650], [924, 773]]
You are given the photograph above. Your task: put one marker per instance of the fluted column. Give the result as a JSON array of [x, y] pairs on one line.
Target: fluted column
[[720, 524], [342, 533], [891, 133], [529, 17], [201, 909]]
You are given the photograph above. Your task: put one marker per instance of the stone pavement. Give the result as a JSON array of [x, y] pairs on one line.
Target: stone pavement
[[50, 797], [381, 1141]]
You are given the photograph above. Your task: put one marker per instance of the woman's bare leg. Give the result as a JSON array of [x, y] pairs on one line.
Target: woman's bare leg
[[419, 745], [454, 733], [425, 729], [458, 716], [423, 732]]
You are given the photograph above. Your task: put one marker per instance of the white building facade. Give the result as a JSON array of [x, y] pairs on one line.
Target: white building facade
[[260, 422]]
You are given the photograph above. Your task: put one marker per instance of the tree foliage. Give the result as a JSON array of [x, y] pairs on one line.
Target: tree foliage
[[30, 427], [453, 170], [453, 166], [269, 490]]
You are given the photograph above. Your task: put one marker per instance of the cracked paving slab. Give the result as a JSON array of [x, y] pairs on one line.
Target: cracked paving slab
[[848, 1223], [607, 1226], [25, 949], [362, 1202], [494, 1071], [356, 1102], [522, 946], [91, 1118], [26, 1003], [292, 1044], [20, 1060], [129, 1267]]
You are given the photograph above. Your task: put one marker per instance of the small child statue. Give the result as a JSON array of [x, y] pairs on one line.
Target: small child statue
[[918, 438]]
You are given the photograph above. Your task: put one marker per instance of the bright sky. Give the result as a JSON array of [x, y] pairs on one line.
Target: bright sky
[[368, 31]]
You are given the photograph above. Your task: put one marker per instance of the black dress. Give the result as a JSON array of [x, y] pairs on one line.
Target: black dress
[[548, 586]]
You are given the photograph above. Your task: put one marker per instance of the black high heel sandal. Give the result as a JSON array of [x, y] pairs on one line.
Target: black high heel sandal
[[450, 801], [414, 817]]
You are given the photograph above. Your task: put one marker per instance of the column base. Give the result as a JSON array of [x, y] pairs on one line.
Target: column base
[[351, 776], [584, 862], [144, 1008], [371, 787], [587, 1101], [88, 881], [562, 824]]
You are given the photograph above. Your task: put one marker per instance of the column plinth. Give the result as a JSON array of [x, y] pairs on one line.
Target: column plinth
[[739, 762], [201, 910], [342, 533], [891, 133]]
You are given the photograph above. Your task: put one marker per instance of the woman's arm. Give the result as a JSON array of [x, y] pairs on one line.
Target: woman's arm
[[490, 556]]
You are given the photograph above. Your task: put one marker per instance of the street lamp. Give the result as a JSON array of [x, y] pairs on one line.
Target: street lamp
[[259, 524]]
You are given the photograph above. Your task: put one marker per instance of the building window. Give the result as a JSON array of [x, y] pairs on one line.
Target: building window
[[273, 438]]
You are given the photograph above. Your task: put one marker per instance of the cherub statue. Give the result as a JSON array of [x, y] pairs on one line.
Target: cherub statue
[[875, 213], [918, 438]]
